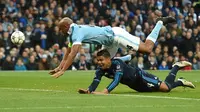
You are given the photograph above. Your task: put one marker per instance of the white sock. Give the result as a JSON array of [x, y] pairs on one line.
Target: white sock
[[155, 32], [124, 58]]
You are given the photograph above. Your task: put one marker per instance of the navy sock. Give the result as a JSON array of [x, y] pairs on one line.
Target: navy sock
[[171, 77], [176, 84]]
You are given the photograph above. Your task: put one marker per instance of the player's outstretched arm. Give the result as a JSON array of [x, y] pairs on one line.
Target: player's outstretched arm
[[68, 50], [83, 91], [105, 91], [112, 85], [86, 91], [98, 75], [68, 62]]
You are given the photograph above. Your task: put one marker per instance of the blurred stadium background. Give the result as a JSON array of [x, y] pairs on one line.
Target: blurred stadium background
[[44, 45]]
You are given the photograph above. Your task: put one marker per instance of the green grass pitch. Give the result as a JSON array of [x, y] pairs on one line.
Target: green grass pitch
[[38, 92]]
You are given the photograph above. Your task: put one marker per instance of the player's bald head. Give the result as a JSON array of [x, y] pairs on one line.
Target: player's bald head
[[65, 21], [64, 24]]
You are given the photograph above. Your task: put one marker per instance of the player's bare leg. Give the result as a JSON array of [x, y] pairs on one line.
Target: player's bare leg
[[148, 45]]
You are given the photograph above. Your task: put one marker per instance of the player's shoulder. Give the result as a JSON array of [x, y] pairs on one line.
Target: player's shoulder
[[117, 65], [84, 28], [76, 25], [117, 61], [77, 29]]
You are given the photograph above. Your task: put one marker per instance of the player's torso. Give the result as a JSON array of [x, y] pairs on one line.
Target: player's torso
[[92, 34], [128, 73]]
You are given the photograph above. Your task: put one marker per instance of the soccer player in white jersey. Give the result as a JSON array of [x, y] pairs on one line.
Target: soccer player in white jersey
[[111, 38]]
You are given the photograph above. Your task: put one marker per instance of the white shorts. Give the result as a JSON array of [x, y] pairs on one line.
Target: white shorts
[[122, 39]]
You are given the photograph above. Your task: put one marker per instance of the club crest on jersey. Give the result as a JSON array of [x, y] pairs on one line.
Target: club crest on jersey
[[118, 66]]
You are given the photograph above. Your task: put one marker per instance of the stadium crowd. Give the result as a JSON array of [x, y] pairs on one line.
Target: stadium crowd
[[44, 45]]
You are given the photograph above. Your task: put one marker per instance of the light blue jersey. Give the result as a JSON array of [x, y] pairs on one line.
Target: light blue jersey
[[91, 34]]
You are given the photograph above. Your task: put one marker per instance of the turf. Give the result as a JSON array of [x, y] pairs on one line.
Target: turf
[[38, 92]]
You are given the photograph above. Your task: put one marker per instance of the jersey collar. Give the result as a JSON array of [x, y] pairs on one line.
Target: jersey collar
[[70, 29]]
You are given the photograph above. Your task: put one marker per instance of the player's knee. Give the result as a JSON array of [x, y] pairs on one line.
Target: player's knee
[[164, 87], [145, 49], [166, 90], [148, 50], [148, 45]]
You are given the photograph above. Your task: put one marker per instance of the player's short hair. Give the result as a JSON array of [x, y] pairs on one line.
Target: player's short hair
[[103, 53]]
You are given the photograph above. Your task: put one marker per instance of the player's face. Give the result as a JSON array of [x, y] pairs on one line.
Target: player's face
[[103, 62], [63, 30]]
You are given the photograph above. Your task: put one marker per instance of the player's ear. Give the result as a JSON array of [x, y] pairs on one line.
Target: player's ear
[[107, 58]]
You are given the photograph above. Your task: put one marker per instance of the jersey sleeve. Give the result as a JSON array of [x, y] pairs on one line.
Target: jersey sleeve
[[98, 75], [77, 35], [117, 77]]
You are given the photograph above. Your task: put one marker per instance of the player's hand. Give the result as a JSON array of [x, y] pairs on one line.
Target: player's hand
[[83, 91], [105, 91], [54, 71], [99, 93], [58, 74]]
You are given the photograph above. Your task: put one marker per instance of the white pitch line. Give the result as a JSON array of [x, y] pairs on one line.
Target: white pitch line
[[89, 107], [36, 90], [157, 97], [121, 95]]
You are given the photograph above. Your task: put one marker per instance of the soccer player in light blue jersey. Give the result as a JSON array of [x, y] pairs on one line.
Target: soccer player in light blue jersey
[[111, 38]]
